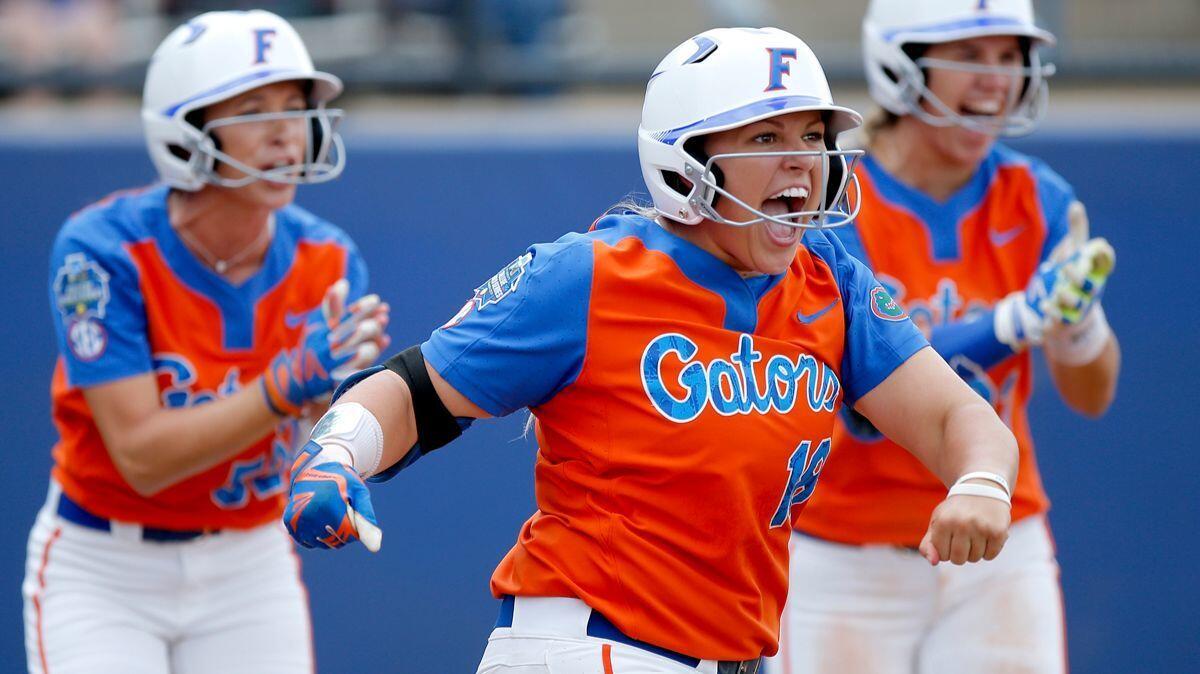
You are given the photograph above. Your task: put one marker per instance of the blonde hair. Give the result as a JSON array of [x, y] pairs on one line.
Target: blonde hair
[[631, 203]]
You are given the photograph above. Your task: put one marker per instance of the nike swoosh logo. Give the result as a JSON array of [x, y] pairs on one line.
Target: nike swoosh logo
[[809, 318], [1001, 238]]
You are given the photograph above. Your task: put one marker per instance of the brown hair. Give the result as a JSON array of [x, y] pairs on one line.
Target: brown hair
[[879, 120]]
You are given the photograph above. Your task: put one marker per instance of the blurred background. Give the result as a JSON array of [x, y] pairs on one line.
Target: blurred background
[[537, 46], [476, 127]]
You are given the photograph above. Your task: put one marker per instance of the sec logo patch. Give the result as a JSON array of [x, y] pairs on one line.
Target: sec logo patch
[[87, 339]]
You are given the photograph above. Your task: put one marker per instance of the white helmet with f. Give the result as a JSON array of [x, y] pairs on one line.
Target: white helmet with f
[[727, 78], [215, 57]]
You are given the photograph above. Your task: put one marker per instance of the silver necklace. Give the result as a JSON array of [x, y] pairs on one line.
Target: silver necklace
[[222, 265]]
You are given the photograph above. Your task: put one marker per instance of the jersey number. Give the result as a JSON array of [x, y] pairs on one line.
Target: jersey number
[[262, 476], [804, 468]]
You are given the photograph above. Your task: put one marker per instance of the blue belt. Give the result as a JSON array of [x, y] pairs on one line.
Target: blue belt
[[73, 512], [600, 627]]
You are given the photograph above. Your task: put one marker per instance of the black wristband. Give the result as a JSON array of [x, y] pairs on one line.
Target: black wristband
[[436, 426]]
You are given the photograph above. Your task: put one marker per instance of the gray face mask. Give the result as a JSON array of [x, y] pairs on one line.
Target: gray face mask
[[835, 208], [324, 152], [1024, 106]]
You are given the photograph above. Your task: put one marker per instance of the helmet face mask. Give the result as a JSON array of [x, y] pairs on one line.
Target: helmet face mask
[[216, 57], [1025, 102], [324, 153], [897, 79], [834, 205], [725, 79]]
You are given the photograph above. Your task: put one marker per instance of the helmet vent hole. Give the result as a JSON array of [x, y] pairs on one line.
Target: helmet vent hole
[[179, 152], [677, 183], [704, 48], [703, 55]]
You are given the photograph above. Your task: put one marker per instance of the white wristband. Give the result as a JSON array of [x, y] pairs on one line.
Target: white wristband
[[985, 475], [352, 429], [1081, 343], [986, 490]]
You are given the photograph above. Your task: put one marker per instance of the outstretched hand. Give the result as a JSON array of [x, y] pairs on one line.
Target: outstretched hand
[[966, 528], [328, 504]]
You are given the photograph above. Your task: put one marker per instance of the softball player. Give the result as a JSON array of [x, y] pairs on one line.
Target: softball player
[[196, 321], [987, 250], [684, 365]]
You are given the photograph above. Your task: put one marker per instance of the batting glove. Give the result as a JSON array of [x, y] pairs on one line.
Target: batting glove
[[328, 504], [336, 343], [1019, 319], [1081, 281]]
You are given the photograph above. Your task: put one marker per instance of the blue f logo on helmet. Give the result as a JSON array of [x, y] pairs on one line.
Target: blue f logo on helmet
[[779, 67], [262, 42], [724, 79]]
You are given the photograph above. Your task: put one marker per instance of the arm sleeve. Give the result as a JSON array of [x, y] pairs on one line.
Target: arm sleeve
[[520, 339], [97, 307], [973, 337], [879, 335]]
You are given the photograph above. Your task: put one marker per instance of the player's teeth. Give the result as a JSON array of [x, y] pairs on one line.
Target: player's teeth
[[984, 108], [793, 192]]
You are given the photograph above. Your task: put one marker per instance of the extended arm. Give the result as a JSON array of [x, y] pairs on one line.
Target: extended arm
[[953, 432], [381, 423]]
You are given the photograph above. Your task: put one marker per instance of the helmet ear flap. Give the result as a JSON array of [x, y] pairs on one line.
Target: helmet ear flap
[[837, 168], [318, 131], [694, 147], [196, 119], [317, 137]]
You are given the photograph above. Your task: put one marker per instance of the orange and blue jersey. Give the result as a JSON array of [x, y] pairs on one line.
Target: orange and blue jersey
[[683, 412], [128, 299], [946, 263]]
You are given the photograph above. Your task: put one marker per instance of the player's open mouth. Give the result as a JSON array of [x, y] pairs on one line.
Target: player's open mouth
[[982, 108], [789, 200], [285, 166]]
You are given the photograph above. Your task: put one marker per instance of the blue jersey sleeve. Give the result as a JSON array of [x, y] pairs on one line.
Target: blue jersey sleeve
[[1056, 196], [96, 302], [520, 339], [879, 335]]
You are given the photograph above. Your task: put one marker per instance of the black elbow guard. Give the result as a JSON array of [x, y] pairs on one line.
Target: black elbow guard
[[436, 426]]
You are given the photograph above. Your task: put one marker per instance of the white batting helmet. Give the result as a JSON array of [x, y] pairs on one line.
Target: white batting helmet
[[897, 80], [723, 79], [217, 56]]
